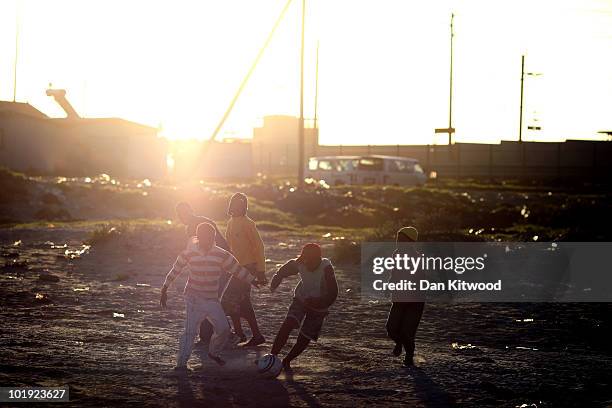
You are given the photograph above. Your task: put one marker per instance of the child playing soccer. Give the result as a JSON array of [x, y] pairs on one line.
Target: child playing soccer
[[206, 263], [246, 244], [404, 316], [186, 216], [312, 297]]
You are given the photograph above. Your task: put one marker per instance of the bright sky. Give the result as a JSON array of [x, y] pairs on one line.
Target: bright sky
[[383, 65]]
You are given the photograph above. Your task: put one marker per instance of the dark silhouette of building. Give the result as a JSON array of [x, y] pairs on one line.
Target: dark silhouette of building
[[30, 141]]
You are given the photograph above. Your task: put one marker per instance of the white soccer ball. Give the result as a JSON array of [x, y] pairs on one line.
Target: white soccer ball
[[269, 366]]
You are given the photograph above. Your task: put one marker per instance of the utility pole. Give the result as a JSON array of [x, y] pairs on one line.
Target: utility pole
[[316, 101], [301, 120], [520, 139], [450, 130], [450, 93], [16, 53], [523, 74]]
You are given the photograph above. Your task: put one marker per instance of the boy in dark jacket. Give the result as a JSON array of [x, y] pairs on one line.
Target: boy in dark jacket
[[404, 317]]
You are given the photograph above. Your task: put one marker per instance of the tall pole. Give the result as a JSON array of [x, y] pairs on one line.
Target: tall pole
[[16, 53], [301, 124], [520, 139], [316, 101], [450, 93]]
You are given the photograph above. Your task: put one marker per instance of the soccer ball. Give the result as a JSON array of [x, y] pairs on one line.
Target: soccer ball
[[269, 366]]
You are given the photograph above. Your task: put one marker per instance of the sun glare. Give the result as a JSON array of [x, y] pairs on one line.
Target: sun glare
[[384, 66]]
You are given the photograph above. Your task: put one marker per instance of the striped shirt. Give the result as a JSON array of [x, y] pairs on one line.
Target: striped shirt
[[205, 269]]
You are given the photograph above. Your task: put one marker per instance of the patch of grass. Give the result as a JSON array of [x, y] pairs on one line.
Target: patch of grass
[[270, 214], [531, 233], [346, 252], [355, 234], [273, 226], [14, 187], [107, 232], [89, 224], [51, 213], [121, 277]]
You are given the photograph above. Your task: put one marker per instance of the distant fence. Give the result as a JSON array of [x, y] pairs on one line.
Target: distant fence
[[574, 158]]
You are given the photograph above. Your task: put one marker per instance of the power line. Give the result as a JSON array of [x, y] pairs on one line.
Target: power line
[[250, 72]]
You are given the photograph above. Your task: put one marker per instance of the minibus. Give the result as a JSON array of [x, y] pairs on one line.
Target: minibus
[[370, 169]]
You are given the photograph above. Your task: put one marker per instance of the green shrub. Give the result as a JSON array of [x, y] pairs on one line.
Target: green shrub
[[346, 252], [52, 213], [106, 233], [121, 277], [272, 226]]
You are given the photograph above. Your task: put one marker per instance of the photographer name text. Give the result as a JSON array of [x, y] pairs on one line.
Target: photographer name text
[[426, 285]]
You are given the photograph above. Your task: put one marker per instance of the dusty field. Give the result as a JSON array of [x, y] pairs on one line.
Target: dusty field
[[96, 326]]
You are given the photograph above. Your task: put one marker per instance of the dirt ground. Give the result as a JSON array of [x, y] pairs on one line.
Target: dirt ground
[[93, 322]]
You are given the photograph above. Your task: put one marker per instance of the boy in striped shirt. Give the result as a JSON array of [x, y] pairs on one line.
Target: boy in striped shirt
[[206, 263]]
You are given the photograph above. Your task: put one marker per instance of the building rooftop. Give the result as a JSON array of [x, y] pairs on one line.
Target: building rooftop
[[21, 108], [103, 121]]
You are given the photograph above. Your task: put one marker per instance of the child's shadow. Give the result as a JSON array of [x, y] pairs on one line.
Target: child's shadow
[[428, 391], [301, 391], [204, 391], [236, 383]]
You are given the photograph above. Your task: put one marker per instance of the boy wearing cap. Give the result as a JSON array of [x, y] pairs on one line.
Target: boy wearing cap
[[314, 294], [404, 317]]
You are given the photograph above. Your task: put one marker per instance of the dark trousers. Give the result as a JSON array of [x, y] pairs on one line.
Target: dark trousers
[[246, 307], [402, 323], [246, 311], [206, 331]]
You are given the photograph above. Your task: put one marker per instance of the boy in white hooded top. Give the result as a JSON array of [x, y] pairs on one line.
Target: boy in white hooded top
[[206, 263], [312, 297]]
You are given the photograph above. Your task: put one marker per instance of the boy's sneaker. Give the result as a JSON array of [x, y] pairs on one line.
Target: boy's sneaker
[[397, 350], [237, 339], [255, 341], [184, 369], [216, 359], [408, 361], [287, 365], [201, 344]]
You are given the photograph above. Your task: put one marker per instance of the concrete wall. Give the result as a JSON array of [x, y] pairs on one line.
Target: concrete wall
[[275, 144], [592, 159], [219, 160], [229, 161]]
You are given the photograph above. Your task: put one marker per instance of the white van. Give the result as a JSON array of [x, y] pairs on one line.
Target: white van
[[371, 169]]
